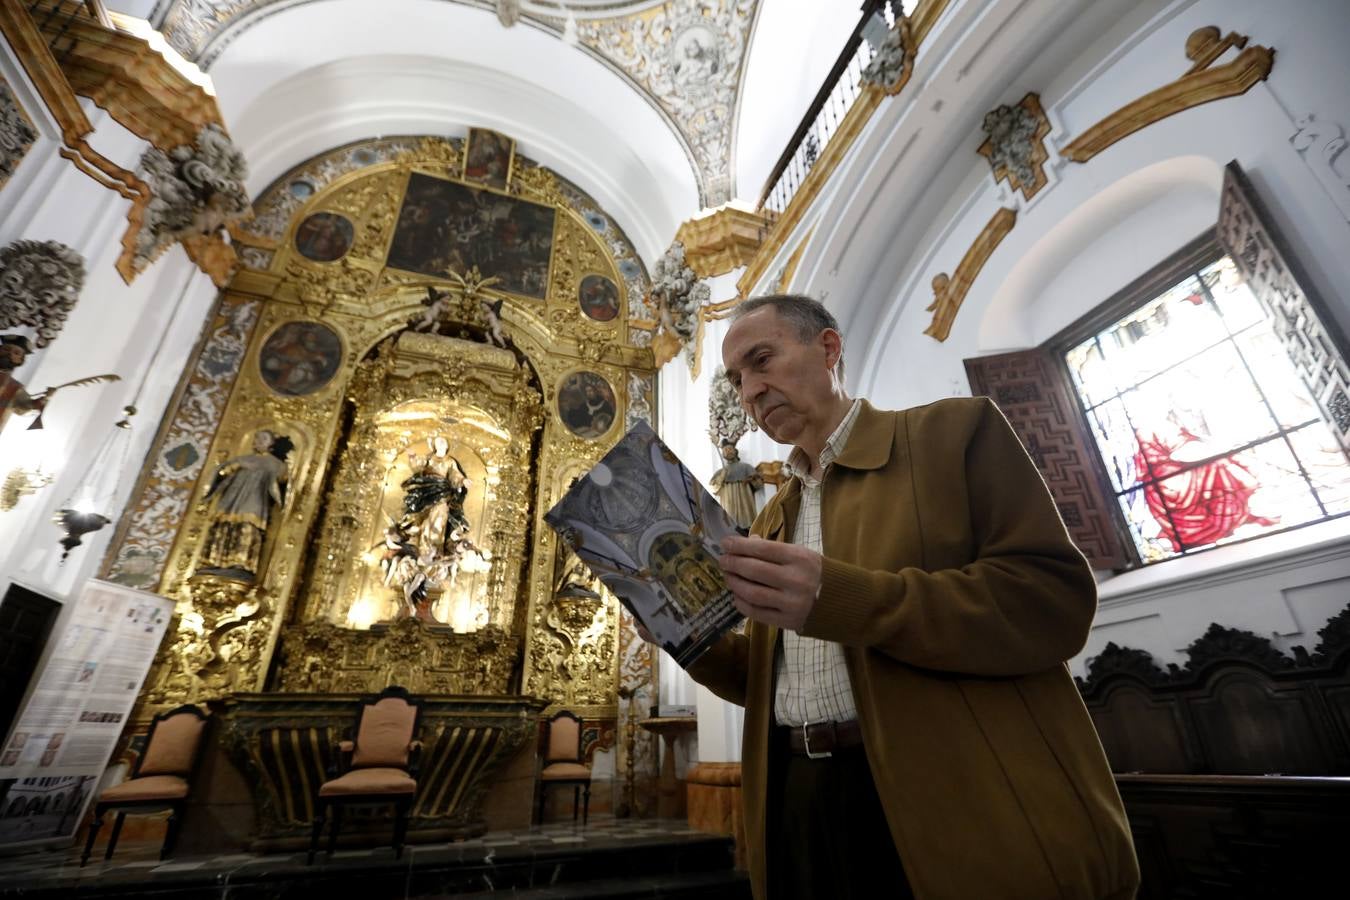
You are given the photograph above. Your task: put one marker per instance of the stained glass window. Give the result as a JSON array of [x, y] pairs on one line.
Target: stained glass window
[[1208, 434]]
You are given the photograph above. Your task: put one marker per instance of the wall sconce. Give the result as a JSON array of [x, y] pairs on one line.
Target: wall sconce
[[90, 505], [19, 483], [30, 457]]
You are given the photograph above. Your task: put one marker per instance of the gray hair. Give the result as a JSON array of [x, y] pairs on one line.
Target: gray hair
[[807, 316]]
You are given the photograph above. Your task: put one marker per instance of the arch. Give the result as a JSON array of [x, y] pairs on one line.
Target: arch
[[424, 66], [1110, 237]]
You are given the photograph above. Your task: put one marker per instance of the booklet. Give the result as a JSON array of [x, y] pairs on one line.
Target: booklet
[[652, 534]]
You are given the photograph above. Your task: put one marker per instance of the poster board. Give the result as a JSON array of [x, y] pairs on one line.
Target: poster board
[[65, 736]]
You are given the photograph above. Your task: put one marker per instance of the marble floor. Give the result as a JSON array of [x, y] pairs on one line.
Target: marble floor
[[610, 858]]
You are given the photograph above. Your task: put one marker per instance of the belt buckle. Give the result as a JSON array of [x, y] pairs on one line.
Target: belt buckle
[[806, 742]]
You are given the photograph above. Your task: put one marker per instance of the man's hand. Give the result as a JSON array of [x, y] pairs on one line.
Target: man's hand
[[773, 583]]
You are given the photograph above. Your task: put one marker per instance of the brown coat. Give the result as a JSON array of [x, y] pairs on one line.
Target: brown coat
[[958, 597]]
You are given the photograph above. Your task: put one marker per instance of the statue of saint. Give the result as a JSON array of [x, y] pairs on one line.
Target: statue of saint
[[428, 545], [241, 498], [735, 485]]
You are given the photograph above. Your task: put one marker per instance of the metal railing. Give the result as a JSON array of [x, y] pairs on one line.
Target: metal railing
[[832, 103]]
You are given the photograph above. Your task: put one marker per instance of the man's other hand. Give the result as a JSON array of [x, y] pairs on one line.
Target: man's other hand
[[773, 583]]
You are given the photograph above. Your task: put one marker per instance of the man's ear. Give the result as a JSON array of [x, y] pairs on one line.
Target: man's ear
[[833, 342]]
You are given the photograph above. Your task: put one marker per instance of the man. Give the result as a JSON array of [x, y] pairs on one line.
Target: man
[[911, 727]]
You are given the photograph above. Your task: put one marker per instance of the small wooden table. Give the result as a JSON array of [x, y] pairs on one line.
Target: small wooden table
[[670, 798]]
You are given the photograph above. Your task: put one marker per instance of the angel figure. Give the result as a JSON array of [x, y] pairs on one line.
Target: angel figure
[[492, 313], [436, 304]]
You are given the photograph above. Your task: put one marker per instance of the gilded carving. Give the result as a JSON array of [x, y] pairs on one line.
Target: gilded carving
[[893, 57], [722, 241], [949, 291], [1202, 83], [320, 604], [195, 191], [1015, 147]]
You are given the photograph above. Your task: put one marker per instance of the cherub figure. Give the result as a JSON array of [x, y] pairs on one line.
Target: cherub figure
[[436, 305], [492, 313]]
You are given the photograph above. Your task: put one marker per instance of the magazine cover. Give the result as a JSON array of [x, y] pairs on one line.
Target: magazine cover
[[652, 534]]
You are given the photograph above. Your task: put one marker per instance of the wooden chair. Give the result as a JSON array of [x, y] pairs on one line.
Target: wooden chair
[[379, 766], [160, 779], [564, 764]]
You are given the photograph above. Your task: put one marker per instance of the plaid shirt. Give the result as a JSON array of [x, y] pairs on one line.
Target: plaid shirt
[[812, 681]]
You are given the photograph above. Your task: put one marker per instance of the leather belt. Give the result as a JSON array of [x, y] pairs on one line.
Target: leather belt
[[821, 739]]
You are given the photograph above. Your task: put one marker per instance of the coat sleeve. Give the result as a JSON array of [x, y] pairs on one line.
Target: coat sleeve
[[724, 668], [1024, 604]]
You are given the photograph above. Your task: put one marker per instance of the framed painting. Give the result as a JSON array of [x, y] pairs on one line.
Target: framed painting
[[488, 157], [599, 298], [446, 226], [300, 358], [324, 237], [586, 404]]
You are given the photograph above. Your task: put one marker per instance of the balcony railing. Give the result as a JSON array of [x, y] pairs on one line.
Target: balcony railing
[[841, 88]]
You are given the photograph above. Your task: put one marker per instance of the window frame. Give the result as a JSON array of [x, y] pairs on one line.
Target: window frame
[[1189, 259]]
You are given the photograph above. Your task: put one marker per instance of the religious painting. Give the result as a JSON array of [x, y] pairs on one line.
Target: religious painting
[[299, 358], [487, 158], [446, 226], [586, 404], [599, 298], [324, 237]]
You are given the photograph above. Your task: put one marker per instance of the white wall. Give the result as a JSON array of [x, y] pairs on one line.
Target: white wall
[[900, 212], [114, 328]]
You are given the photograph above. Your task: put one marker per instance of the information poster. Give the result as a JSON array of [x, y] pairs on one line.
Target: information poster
[[66, 734]]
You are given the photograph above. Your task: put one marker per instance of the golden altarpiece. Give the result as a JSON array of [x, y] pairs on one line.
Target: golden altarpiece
[[414, 315]]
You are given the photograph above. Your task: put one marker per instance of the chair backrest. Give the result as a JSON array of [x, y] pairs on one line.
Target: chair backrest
[[564, 738], [385, 730], [172, 743]]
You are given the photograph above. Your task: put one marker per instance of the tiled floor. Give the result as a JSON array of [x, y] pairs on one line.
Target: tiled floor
[[607, 858]]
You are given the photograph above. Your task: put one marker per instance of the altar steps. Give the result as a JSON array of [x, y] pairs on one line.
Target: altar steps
[[610, 860]]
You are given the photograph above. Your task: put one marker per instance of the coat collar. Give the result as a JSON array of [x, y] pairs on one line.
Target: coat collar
[[869, 447]]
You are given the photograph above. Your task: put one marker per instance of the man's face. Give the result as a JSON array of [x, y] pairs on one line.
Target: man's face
[[785, 385]]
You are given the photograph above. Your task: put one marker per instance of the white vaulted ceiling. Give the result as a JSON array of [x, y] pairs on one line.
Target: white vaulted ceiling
[[620, 111], [310, 77]]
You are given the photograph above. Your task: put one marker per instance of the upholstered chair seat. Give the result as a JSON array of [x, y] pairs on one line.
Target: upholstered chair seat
[[376, 766], [565, 763], [564, 771], [161, 778], [369, 781], [151, 787]]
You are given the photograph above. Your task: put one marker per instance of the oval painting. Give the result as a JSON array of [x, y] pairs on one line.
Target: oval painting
[[299, 358], [324, 237], [586, 404], [599, 298]]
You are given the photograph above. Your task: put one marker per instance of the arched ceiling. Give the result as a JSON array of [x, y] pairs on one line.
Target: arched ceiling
[[682, 59]]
